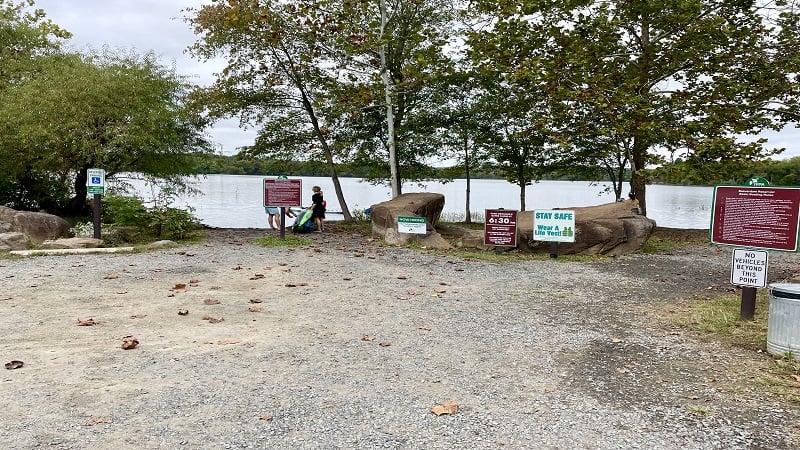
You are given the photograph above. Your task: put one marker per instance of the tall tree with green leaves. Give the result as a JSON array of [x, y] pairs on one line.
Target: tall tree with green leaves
[[119, 111], [692, 75]]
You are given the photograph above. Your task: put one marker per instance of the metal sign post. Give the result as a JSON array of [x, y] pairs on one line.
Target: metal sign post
[[96, 185]]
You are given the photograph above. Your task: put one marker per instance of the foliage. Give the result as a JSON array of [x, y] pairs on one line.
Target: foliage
[[119, 111], [158, 220], [689, 76]]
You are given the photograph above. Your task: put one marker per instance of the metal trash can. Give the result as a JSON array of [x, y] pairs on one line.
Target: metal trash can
[[783, 325]]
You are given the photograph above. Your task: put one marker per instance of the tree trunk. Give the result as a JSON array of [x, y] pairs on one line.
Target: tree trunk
[[638, 181], [467, 163], [77, 204]]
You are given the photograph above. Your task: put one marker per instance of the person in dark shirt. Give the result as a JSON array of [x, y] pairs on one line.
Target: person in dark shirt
[[318, 209]]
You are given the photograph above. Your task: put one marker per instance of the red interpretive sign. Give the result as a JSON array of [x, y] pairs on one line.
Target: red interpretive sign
[[283, 192], [756, 217], [500, 228]]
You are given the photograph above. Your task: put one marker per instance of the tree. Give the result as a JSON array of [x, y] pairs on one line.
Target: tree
[[122, 112], [670, 74], [309, 74]]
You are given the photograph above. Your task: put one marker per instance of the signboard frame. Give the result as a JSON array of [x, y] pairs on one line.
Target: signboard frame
[[749, 267], [739, 214], [554, 225], [412, 224], [500, 227], [96, 181], [283, 192]]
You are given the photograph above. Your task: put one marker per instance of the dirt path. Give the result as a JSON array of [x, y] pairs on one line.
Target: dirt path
[[349, 344]]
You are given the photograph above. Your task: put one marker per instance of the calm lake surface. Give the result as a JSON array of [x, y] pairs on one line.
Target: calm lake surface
[[236, 201]]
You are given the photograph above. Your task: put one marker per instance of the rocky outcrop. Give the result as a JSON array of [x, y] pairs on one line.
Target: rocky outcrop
[[14, 241], [429, 205], [39, 227], [76, 242], [608, 229]]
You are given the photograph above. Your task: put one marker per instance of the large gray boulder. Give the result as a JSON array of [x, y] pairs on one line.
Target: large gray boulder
[[38, 226], [14, 241], [608, 229], [75, 242], [425, 204]]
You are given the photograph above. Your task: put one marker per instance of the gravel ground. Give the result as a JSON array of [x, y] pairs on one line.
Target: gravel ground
[[349, 344]]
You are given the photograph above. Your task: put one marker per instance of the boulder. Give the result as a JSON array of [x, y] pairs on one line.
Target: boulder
[[38, 226], [14, 241], [429, 205], [608, 229], [72, 243]]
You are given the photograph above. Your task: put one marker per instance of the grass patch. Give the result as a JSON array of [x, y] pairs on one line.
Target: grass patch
[[289, 241], [717, 319]]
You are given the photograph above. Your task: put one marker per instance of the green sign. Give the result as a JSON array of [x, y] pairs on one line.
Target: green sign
[[756, 182], [412, 225]]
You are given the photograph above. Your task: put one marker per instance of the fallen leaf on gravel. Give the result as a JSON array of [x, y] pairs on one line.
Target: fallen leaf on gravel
[[211, 302], [183, 312], [213, 319], [11, 365], [228, 341], [266, 417], [617, 340], [194, 281], [796, 378], [402, 297], [255, 309], [445, 408], [402, 277], [385, 344], [413, 292], [86, 322], [459, 270], [623, 370], [138, 316], [439, 291], [5, 297], [435, 295], [287, 270], [256, 300], [283, 264], [442, 283], [215, 288], [347, 279], [237, 268], [318, 250], [257, 276], [97, 420], [111, 276], [180, 287], [424, 328], [291, 285], [367, 338], [129, 343]]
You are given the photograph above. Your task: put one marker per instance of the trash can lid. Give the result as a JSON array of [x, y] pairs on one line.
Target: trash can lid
[[790, 290]]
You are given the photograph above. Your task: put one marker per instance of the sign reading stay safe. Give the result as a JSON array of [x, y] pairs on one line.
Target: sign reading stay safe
[[554, 225]]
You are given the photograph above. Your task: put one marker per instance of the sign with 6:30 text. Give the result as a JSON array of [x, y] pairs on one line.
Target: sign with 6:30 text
[[554, 225], [500, 228]]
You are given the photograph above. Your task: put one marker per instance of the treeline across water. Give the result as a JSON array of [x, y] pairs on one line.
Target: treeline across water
[[777, 172]]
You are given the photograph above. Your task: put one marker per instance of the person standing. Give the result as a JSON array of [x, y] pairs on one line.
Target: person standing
[[318, 208], [273, 220]]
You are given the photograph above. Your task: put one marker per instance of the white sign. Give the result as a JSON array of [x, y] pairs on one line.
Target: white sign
[[749, 267], [96, 181], [412, 225], [554, 225]]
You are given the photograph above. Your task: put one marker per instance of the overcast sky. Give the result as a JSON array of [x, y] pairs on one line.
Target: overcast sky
[[158, 25], [145, 25]]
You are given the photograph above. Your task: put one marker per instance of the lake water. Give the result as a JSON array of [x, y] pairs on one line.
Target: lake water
[[236, 201]]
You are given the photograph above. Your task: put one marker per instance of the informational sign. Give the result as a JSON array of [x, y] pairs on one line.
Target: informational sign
[[500, 228], [757, 217], [96, 181], [554, 225], [749, 267], [412, 225], [283, 192]]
